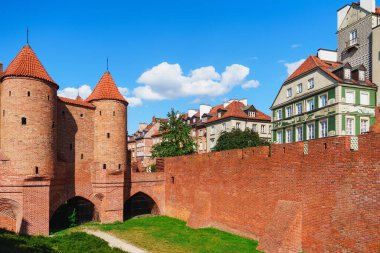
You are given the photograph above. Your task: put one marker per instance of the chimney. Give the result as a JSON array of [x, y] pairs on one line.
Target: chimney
[[327, 55], [1, 68], [204, 109], [368, 5], [191, 113]]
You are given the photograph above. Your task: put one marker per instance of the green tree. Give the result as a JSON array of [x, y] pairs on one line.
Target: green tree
[[176, 139], [72, 218], [237, 139]]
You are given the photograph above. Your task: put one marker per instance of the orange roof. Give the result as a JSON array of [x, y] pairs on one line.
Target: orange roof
[[377, 10], [236, 110], [106, 89], [78, 101], [27, 64], [313, 62]]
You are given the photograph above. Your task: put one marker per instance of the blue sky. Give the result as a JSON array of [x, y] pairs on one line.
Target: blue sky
[[149, 43]]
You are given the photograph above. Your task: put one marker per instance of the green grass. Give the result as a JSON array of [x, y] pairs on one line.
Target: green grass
[[166, 235], [76, 242]]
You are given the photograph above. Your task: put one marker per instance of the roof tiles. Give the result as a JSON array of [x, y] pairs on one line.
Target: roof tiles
[[78, 101], [27, 64], [106, 89]]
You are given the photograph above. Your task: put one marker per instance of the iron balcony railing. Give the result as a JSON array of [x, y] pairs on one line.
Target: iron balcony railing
[[352, 43]]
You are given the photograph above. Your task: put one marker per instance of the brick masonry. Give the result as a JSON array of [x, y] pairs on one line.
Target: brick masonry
[[325, 201]]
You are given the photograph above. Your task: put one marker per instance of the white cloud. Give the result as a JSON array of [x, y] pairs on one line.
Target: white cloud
[[133, 101], [296, 46], [85, 91], [292, 66], [70, 92], [167, 81], [251, 84]]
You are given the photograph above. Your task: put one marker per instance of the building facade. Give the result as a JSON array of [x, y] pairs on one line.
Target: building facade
[[358, 37], [335, 92], [142, 141], [234, 114]]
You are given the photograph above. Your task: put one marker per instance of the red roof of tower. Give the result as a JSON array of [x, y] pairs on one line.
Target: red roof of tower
[[106, 89], [27, 64]]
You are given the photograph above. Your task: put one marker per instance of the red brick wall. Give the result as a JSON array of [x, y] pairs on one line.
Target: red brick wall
[[326, 201], [7, 223]]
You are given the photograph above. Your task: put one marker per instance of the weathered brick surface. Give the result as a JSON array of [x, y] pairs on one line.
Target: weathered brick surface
[[69, 143], [337, 190]]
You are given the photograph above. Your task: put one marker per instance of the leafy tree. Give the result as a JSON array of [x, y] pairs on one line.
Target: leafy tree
[[176, 139], [237, 139]]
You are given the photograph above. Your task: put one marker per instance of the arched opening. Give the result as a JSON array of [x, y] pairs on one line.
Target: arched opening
[[74, 212], [10, 215], [140, 204]]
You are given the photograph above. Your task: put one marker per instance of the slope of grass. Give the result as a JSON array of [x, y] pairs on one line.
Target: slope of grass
[[167, 235], [68, 243]]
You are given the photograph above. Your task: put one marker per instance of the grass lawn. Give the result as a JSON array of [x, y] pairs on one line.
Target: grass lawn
[[166, 235], [76, 242]]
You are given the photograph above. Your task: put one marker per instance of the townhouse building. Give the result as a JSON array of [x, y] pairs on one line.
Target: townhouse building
[[234, 114], [334, 92], [142, 141]]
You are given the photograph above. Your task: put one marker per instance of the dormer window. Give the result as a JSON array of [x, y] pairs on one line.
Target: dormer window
[[347, 74], [219, 114], [194, 120], [251, 114], [361, 75]]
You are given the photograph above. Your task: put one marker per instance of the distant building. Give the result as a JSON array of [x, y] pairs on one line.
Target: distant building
[[235, 114], [334, 92], [141, 142]]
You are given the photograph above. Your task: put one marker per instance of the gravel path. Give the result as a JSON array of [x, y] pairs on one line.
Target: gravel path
[[115, 242]]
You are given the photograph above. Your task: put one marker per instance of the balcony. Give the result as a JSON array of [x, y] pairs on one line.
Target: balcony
[[354, 43]]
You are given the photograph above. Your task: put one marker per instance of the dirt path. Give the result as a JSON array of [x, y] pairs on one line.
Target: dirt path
[[115, 242]]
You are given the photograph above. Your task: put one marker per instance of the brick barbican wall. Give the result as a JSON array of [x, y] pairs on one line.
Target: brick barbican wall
[[29, 201], [325, 201]]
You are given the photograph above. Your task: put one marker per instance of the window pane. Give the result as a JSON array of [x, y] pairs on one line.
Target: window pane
[[350, 97], [364, 98]]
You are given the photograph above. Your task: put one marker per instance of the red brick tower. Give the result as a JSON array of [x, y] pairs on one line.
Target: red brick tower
[[28, 140], [28, 115], [110, 145]]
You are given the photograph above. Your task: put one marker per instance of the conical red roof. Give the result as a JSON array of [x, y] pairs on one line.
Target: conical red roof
[[27, 64], [106, 89]]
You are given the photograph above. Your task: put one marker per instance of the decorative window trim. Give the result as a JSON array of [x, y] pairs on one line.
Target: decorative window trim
[[353, 125], [365, 93], [345, 96], [320, 128], [320, 100]]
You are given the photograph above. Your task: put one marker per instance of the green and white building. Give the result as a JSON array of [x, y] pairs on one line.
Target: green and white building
[[334, 92]]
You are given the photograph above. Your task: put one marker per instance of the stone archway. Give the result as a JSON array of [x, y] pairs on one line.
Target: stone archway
[[75, 211], [10, 215], [140, 204]]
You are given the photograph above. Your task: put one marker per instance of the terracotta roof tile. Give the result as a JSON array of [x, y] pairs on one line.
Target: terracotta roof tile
[[235, 109], [106, 89], [313, 62], [377, 10], [27, 64], [78, 101]]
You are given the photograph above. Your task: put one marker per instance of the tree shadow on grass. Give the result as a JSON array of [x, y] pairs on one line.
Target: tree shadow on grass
[[14, 243]]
